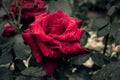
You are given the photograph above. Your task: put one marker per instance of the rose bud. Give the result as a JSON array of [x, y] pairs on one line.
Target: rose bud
[[8, 31]]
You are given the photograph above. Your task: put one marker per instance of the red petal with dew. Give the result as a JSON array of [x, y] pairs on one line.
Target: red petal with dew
[[73, 48], [33, 45]]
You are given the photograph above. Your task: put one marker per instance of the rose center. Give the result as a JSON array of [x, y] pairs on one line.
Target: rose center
[[57, 27]]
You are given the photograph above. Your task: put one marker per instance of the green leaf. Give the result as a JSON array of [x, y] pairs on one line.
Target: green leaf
[[1, 27], [104, 31], [114, 29], [115, 32], [99, 59], [21, 50], [2, 23], [6, 51], [106, 72], [34, 72], [78, 76], [81, 73], [84, 39], [60, 76], [79, 60], [27, 78], [115, 75], [5, 74], [111, 11], [93, 2], [6, 58], [23, 78], [60, 73], [70, 72], [2, 11], [75, 77], [99, 23], [60, 4]]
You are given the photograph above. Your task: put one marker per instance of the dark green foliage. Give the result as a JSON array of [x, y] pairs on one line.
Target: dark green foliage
[[5, 74], [84, 38], [13, 50], [100, 23], [79, 60], [82, 73], [29, 78], [99, 59], [21, 50], [115, 32], [111, 11], [2, 23], [115, 75], [108, 72], [6, 58], [34, 72], [60, 4], [6, 54]]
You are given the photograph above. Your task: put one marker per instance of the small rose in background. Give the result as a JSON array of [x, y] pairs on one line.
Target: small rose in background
[[53, 36], [29, 9], [8, 31]]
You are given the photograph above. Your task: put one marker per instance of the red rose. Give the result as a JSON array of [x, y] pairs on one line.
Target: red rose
[[8, 31], [53, 36], [30, 9]]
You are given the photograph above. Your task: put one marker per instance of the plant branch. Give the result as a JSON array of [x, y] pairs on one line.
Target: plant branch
[[10, 14], [106, 42], [19, 13]]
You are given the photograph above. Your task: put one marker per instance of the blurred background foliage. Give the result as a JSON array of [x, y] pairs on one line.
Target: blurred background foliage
[[101, 21]]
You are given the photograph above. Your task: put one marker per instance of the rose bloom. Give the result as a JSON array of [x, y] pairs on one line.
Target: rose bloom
[[30, 9], [8, 31], [53, 36]]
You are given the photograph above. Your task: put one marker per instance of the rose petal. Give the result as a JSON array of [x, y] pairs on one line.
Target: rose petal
[[73, 48], [39, 18], [40, 5], [77, 36], [53, 20], [50, 66], [31, 14], [57, 28], [59, 43], [56, 16], [27, 6], [30, 8], [37, 30], [79, 23], [47, 51], [69, 32], [30, 41]]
